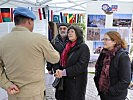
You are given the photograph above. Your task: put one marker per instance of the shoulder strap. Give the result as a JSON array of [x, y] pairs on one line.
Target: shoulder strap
[[116, 59]]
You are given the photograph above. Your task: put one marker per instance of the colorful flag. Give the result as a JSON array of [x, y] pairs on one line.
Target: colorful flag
[[74, 18], [61, 17], [5, 12], [40, 14], [56, 18], [70, 18], [77, 20], [64, 19], [43, 10], [51, 15], [11, 13], [82, 17], [67, 19], [48, 16], [0, 17]]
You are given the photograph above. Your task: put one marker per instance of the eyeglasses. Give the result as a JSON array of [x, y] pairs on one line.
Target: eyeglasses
[[106, 39], [64, 28]]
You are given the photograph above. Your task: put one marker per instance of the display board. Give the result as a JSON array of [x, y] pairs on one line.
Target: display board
[[40, 25], [108, 16]]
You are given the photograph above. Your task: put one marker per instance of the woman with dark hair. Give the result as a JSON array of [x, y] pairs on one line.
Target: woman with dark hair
[[74, 61], [113, 68], [52, 30]]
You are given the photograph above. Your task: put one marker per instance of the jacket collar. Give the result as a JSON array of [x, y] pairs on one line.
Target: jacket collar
[[19, 28], [59, 39]]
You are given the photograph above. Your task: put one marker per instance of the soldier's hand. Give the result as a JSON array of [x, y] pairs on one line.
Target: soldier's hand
[[13, 89]]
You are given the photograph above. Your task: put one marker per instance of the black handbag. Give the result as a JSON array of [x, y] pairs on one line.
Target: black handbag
[[58, 83]]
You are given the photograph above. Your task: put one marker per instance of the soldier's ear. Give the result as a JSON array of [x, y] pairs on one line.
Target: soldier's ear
[[29, 21]]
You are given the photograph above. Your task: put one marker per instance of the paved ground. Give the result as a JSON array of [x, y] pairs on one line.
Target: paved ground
[[91, 92]]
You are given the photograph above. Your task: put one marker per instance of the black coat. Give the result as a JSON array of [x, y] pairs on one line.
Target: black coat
[[132, 66], [76, 80], [120, 76]]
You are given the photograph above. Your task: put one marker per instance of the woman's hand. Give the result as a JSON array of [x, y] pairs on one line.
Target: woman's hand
[[58, 73]]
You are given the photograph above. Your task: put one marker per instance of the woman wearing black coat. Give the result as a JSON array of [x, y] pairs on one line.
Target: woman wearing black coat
[[113, 68], [74, 61]]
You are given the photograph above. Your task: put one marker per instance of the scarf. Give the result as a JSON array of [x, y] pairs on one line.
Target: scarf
[[64, 54], [104, 80]]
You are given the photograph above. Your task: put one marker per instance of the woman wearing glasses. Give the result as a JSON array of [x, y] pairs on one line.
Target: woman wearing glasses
[[113, 68]]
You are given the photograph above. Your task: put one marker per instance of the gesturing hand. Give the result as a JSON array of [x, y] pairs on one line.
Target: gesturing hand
[[13, 89]]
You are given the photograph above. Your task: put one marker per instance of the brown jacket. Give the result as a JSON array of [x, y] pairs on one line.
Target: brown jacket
[[22, 58]]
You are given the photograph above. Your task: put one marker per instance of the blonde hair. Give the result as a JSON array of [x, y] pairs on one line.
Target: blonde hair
[[115, 36]]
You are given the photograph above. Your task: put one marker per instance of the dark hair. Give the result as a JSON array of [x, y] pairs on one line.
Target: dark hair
[[115, 36], [51, 26], [78, 31], [63, 24], [19, 19]]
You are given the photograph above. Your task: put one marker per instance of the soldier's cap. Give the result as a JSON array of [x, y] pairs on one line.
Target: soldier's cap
[[24, 12]]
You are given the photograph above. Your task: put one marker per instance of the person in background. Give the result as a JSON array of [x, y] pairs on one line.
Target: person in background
[[59, 44], [22, 59], [52, 30], [74, 61], [113, 68]]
